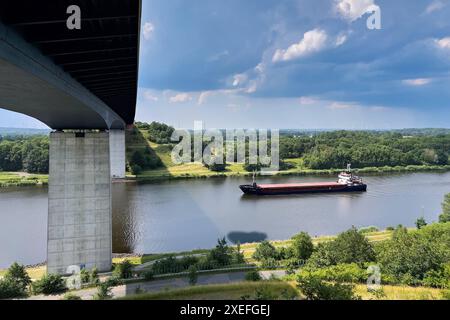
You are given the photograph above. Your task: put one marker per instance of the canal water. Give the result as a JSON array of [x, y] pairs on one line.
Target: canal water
[[190, 214]]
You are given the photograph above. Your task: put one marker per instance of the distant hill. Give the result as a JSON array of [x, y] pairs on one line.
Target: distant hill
[[23, 132]]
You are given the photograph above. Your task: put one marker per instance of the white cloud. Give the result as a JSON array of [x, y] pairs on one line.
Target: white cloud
[[341, 105], [435, 6], [313, 41], [443, 43], [148, 30], [180, 98], [341, 39], [306, 101], [417, 82], [239, 79], [354, 9], [148, 95]]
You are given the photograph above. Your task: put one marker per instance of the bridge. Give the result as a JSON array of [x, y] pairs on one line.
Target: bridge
[[82, 82]]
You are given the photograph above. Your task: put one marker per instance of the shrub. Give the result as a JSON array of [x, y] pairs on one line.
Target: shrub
[[103, 291], [349, 247], [85, 277], [438, 278], [368, 229], [149, 275], [252, 276], [445, 216], [71, 296], [192, 275], [136, 169], [409, 256], [49, 284], [221, 254], [265, 251], [17, 273], [314, 288], [420, 223], [123, 270], [93, 277], [10, 289], [340, 273], [302, 246]]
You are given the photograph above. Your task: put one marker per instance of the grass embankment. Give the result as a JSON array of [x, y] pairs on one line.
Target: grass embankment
[[281, 290], [234, 291], [20, 179], [171, 171]]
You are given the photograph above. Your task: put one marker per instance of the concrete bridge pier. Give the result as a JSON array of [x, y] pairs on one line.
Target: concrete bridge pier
[[79, 213], [117, 151]]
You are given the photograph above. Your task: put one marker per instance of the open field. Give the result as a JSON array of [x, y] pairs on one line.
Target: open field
[[14, 179]]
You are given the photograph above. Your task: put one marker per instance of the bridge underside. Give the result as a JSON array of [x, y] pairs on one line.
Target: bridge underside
[[82, 83]]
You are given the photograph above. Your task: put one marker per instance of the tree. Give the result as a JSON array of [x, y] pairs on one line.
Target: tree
[[349, 247], [265, 251], [19, 275], [445, 216], [420, 223], [302, 246], [49, 284], [221, 254]]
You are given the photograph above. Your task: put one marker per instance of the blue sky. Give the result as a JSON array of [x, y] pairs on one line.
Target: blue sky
[[293, 64]]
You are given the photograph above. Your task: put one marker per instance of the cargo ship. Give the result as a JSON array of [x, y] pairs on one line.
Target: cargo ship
[[347, 182]]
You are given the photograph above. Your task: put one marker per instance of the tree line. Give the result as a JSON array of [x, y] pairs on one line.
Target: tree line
[[24, 153]]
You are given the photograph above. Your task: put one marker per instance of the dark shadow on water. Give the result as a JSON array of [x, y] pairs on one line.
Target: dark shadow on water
[[247, 197], [246, 237]]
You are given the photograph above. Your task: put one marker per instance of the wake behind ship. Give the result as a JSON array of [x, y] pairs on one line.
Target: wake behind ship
[[347, 182]]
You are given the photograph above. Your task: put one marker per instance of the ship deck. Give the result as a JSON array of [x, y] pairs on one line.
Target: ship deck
[[300, 185]]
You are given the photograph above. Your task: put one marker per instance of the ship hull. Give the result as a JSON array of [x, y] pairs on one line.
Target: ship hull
[[266, 191]]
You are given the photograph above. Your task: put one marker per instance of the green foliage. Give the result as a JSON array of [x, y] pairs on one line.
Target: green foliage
[[71, 296], [136, 169], [123, 270], [149, 275], [265, 251], [366, 149], [409, 257], [302, 246], [445, 216], [221, 254], [28, 154], [252, 276], [314, 288], [439, 278], [349, 247], [10, 289], [217, 167], [49, 284], [157, 132], [420, 223], [103, 291], [19, 275], [350, 273], [193, 275], [368, 230]]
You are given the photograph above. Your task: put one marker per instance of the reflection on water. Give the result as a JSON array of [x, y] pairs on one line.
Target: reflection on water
[[191, 214]]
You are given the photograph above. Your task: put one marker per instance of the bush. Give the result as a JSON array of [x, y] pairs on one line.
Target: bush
[[349, 247], [17, 273], [420, 223], [368, 229], [123, 270], [445, 216], [136, 169], [103, 291], [192, 275], [314, 288], [252, 276], [265, 251], [341, 273], [302, 246], [49, 284], [409, 256], [438, 278], [149, 275], [221, 255], [71, 296], [10, 289]]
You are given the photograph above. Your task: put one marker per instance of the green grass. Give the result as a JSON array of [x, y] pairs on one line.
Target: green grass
[[234, 291], [401, 293], [14, 179]]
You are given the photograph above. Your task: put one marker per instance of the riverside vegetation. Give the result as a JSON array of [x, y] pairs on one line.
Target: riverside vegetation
[[149, 146], [414, 264]]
